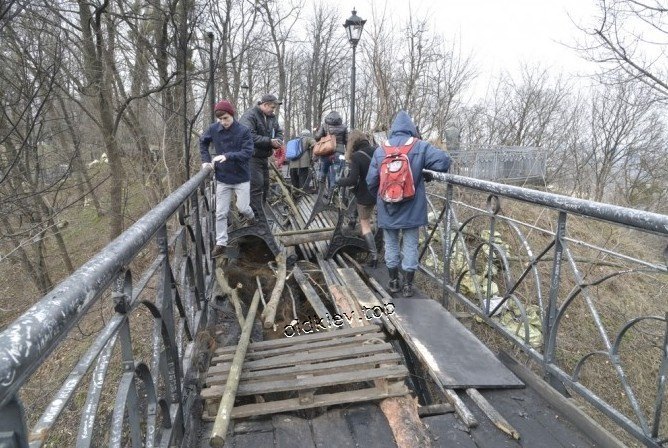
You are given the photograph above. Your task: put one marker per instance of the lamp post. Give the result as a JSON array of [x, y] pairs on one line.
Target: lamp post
[[212, 95], [354, 25], [244, 94]]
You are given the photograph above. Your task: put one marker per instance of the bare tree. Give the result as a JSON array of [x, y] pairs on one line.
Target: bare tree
[[628, 39]]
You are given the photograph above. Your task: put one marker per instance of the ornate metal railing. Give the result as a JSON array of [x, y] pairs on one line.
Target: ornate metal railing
[[501, 163], [139, 376], [593, 314]]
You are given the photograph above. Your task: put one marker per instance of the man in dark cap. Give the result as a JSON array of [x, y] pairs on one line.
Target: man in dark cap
[[233, 145], [267, 136]]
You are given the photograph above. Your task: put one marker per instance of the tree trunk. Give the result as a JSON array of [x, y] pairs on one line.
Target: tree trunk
[[100, 85]]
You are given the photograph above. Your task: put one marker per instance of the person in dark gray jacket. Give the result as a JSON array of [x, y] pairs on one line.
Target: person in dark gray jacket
[[267, 136], [332, 166]]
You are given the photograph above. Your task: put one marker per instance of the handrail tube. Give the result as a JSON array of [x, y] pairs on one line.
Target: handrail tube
[[640, 219], [34, 335]]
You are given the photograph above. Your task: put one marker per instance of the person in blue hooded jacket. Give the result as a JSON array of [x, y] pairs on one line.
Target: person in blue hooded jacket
[[404, 217], [233, 144]]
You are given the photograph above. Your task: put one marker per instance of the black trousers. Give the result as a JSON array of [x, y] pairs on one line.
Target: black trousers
[[259, 183], [298, 177]]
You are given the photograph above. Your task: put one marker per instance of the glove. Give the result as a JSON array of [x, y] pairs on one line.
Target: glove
[[219, 158], [207, 164], [428, 177]]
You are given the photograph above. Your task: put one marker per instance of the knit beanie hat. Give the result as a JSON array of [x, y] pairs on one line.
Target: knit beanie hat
[[225, 106]]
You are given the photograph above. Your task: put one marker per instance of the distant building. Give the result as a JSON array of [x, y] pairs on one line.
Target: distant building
[[510, 164]]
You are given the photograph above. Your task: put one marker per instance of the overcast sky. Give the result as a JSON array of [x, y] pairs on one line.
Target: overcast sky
[[501, 34]]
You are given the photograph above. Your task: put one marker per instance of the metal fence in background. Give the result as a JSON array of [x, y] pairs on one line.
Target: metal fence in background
[[511, 164]]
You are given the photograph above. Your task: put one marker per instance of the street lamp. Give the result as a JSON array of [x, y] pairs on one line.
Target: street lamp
[[244, 92], [354, 25], [212, 94]]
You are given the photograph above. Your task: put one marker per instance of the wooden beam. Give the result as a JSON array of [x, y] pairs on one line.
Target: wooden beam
[[435, 409], [231, 293], [492, 413], [310, 293], [287, 342], [316, 369], [297, 240], [269, 313], [293, 404], [223, 417], [293, 359]]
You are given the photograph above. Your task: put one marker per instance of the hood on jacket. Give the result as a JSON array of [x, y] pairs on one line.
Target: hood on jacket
[[333, 119], [403, 125]]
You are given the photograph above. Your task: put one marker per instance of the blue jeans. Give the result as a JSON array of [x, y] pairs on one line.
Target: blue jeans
[[223, 202], [407, 254], [332, 169]]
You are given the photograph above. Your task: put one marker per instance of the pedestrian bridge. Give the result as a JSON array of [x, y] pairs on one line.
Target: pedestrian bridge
[[569, 297]]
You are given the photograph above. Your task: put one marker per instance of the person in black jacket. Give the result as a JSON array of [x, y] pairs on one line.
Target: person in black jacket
[[332, 166], [233, 146], [360, 158], [267, 136]]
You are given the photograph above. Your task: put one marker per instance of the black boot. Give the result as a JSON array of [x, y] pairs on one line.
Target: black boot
[[407, 290], [373, 252], [394, 285]]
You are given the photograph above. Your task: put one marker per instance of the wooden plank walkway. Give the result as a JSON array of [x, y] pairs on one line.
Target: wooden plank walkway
[[323, 369], [320, 388], [457, 357]]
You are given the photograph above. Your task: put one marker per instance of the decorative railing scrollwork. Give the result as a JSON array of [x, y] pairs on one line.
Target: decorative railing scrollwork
[[562, 298], [139, 365]]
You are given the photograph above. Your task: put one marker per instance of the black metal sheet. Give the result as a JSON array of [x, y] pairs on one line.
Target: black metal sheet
[[457, 357]]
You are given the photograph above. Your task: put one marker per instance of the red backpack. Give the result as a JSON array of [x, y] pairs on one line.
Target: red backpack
[[396, 177]]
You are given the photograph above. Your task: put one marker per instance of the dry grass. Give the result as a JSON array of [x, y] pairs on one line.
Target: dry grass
[[85, 235]]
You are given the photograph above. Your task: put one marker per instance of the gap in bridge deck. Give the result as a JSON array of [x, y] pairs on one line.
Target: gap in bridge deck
[[254, 261]]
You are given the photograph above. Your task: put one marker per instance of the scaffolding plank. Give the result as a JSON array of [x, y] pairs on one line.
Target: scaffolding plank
[[458, 359]]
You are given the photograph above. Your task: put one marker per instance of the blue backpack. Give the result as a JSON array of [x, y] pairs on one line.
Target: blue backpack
[[294, 149]]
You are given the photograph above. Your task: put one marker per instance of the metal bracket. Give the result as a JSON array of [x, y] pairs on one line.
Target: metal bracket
[[340, 240]]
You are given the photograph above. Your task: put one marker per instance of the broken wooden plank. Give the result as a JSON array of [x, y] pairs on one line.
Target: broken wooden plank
[[231, 293], [492, 413], [310, 293], [434, 409], [269, 313], [402, 415]]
